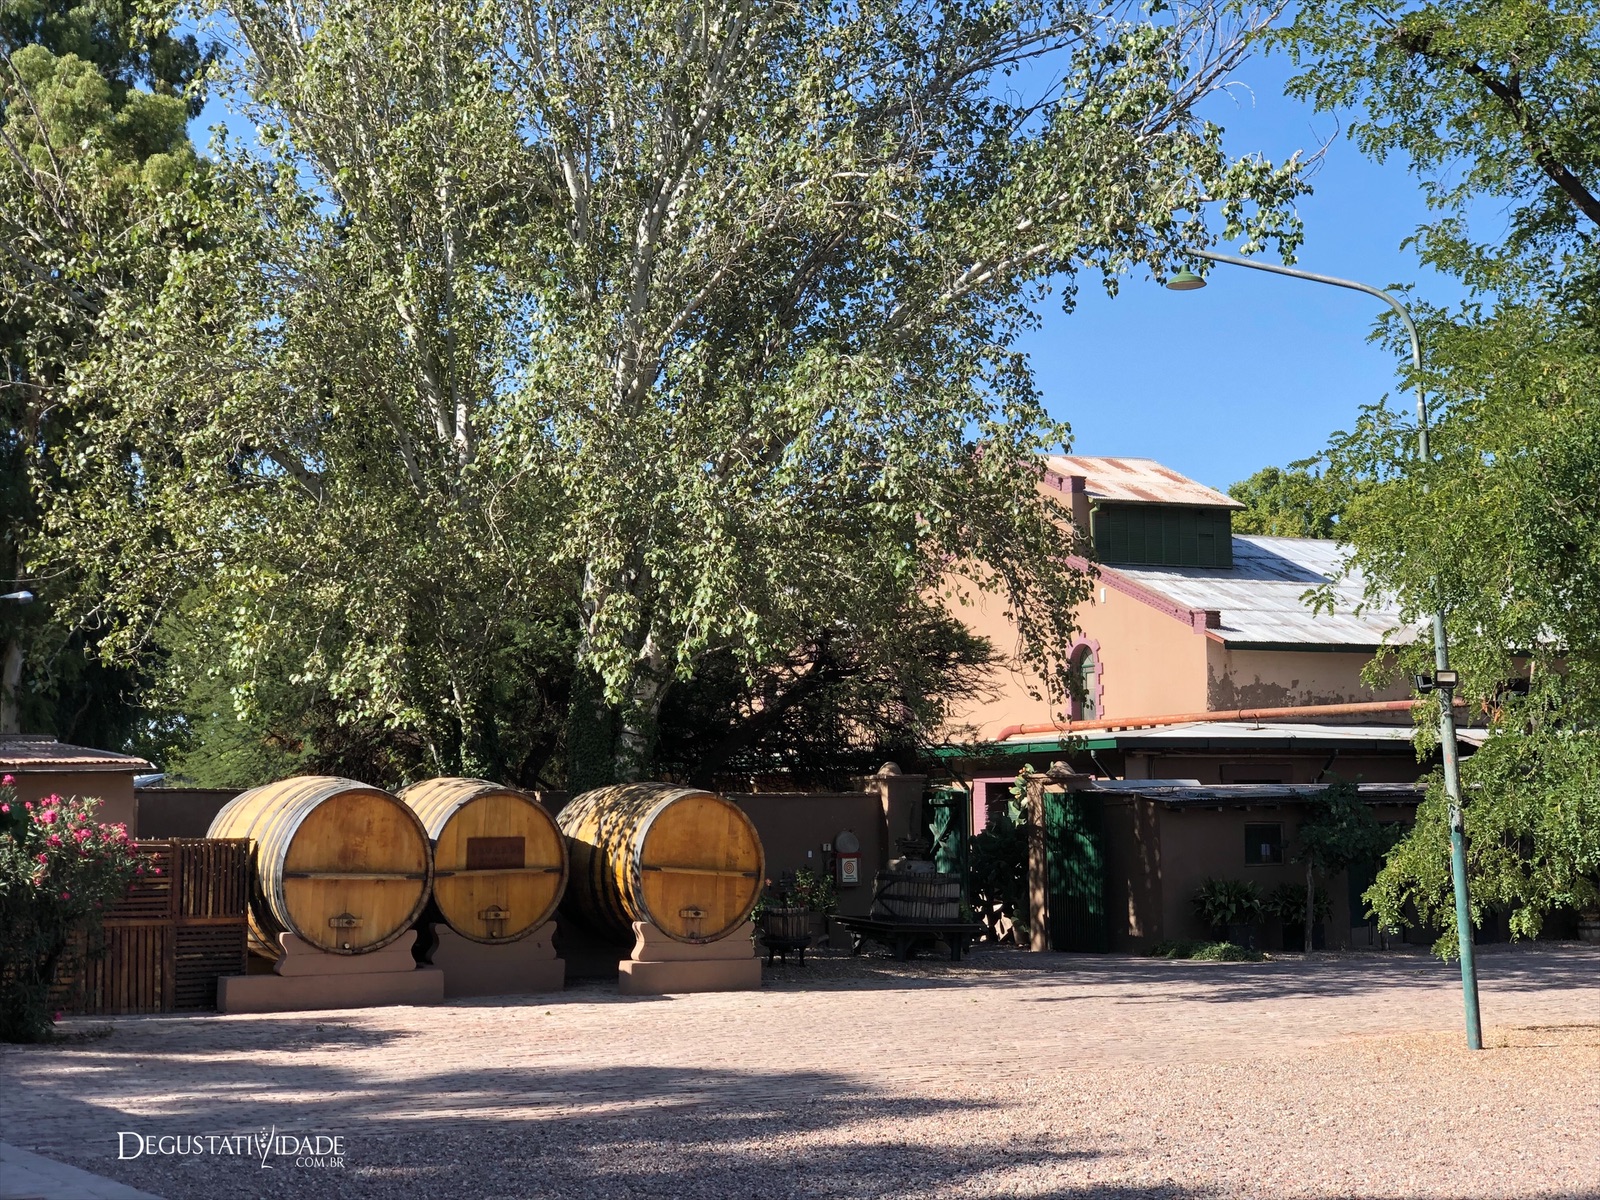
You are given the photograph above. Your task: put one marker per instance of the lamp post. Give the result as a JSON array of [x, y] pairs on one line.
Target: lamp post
[[1444, 678]]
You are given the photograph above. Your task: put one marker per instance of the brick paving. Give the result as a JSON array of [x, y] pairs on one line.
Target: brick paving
[[1008, 1075]]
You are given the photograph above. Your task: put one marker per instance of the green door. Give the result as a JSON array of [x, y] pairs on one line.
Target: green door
[[946, 811], [1075, 855]]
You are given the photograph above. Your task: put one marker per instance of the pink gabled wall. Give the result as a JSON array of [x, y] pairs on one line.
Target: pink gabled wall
[[1153, 660], [1150, 661]]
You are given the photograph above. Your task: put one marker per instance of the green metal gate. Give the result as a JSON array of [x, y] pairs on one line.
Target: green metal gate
[[947, 813], [1075, 855]]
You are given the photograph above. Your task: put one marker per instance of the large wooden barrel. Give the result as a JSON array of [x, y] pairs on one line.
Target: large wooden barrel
[[499, 859], [344, 866], [687, 861]]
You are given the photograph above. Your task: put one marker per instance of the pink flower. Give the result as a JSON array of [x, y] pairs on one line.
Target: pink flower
[[28, 804], [51, 800], [81, 834], [8, 780], [136, 870], [54, 839], [57, 1016], [44, 858], [5, 808], [158, 870], [46, 818], [66, 895]]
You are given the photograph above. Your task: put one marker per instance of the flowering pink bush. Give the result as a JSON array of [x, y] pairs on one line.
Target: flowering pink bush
[[59, 869]]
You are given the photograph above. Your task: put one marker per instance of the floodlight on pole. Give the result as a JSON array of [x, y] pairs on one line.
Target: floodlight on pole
[[1444, 679]]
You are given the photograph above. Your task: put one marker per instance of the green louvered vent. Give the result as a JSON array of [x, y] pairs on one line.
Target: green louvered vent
[[1163, 535]]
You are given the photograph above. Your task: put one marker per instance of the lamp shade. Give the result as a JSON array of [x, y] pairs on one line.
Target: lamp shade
[[1186, 281]]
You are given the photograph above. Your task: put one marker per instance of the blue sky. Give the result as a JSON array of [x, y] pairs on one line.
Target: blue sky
[[1253, 370]]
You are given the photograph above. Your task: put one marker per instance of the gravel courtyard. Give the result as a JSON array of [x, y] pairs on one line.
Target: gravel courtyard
[[1008, 1075]]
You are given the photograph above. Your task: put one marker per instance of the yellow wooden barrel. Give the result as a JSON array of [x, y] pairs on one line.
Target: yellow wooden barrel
[[342, 865], [499, 859], [687, 861]]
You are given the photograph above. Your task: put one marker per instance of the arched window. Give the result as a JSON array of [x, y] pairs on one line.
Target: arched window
[[1085, 664]]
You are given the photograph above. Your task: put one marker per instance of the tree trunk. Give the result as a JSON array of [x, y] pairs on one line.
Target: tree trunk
[[1311, 901], [11, 688], [609, 743]]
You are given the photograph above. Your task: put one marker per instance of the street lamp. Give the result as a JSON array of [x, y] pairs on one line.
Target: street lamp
[[1444, 679], [19, 597]]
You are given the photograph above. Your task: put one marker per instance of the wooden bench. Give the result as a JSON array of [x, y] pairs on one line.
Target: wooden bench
[[903, 936]]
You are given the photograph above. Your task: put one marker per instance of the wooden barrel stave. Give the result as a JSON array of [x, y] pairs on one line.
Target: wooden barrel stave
[[344, 866], [660, 853], [473, 824], [917, 896]]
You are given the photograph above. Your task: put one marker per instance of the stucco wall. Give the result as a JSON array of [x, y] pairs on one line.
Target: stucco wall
[[1150, 663], [791, 825], [1199, 843], [1132, 844], [114, 789], [1014, 692], [1244, 678], [180, 812]]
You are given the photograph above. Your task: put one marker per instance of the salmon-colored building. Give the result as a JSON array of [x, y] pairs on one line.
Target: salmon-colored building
[[1200, 661]]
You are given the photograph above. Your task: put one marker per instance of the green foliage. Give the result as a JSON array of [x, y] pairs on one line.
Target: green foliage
[[126, 43], [594, 348], [94, 162], [59, 868], [1287, 902], [997, 858], [1492, 104], [1485, 100], [1532, 823], [1288, 503], [834, 708], [1221, 902], [1205, 951], [814, 890], [1337, 829]]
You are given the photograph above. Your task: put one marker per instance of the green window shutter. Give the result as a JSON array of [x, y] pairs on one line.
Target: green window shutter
[[1163, 535]]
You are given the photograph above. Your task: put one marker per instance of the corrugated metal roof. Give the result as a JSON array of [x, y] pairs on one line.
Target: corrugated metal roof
[[1260, 596], [1248, 732], [27, 753], [1244, 795], [1138, 480]]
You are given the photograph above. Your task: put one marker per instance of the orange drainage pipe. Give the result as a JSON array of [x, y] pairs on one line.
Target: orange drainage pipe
[[1360, 708]]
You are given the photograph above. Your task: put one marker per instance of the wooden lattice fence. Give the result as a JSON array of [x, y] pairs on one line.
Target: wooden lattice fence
[[162, 947]]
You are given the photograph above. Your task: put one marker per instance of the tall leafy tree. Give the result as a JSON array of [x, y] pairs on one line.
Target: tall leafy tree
[[1496, 106], [94, 102], [634, 343], [1288, 502]]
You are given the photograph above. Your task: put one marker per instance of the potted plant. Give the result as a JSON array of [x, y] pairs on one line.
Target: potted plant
[[782, 921], [1287, 902], [814, 891], [1230, 908]]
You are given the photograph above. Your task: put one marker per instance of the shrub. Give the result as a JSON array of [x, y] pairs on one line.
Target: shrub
[[998, 863], [1205, 951], [59, 868], [814, 890], [1287, 902], [1227, 902]]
